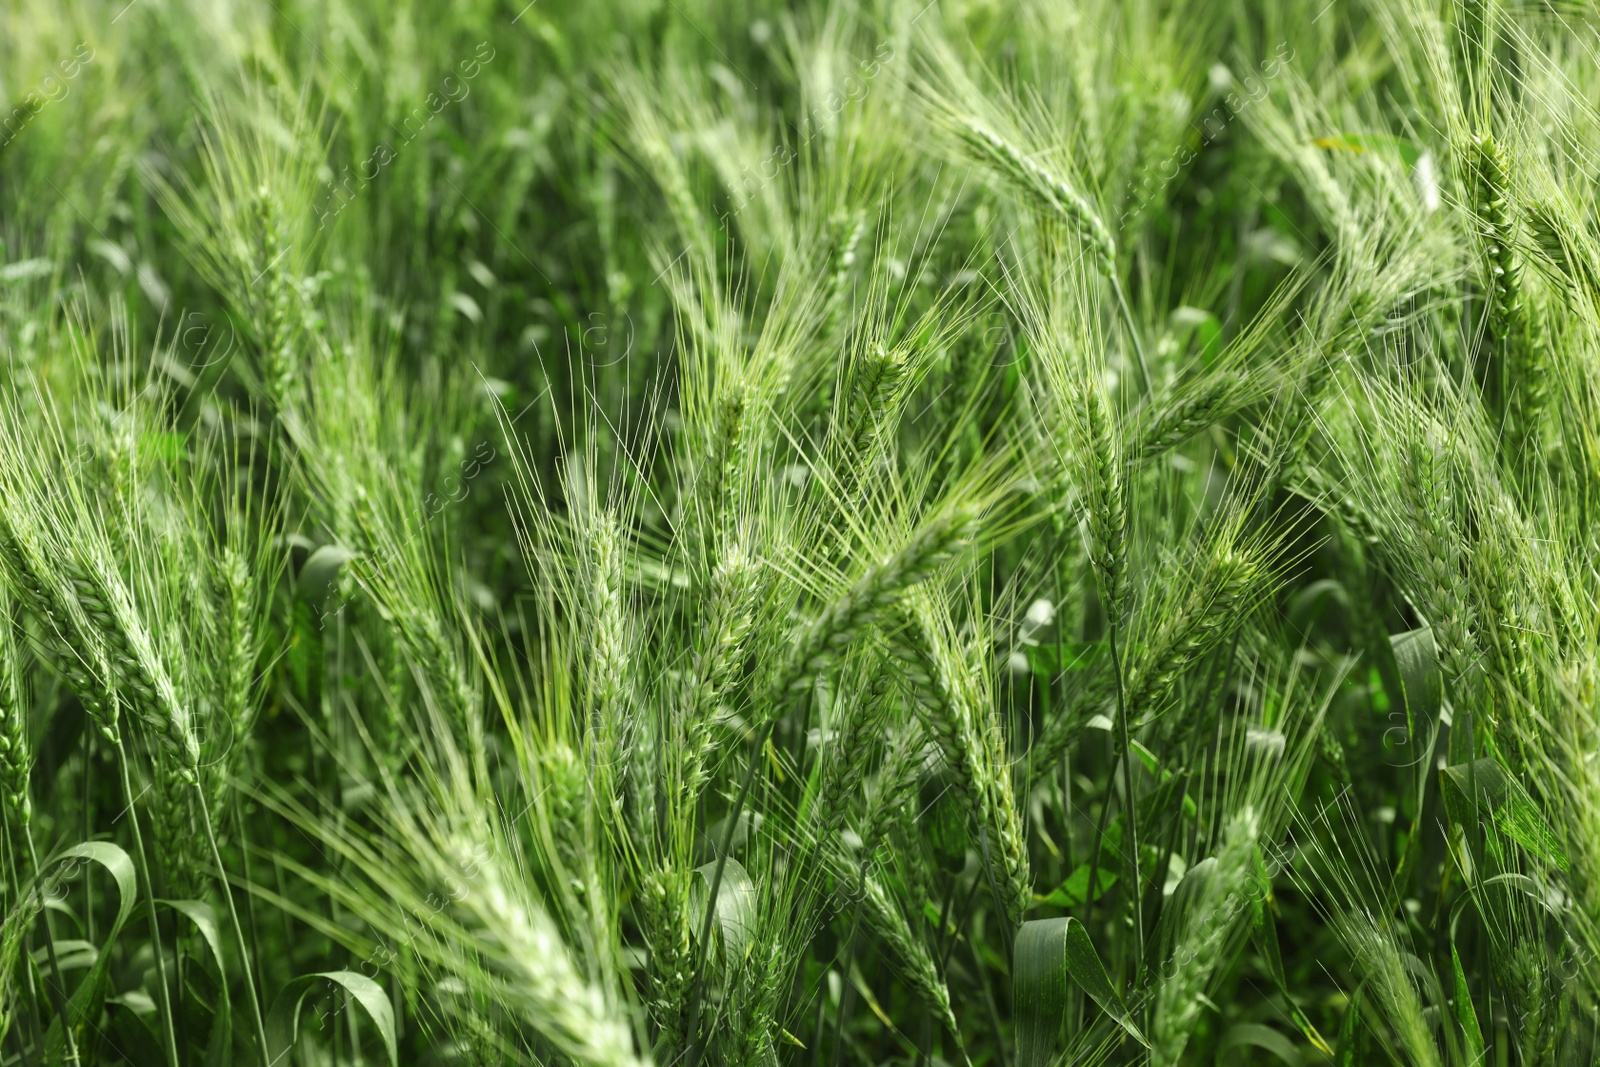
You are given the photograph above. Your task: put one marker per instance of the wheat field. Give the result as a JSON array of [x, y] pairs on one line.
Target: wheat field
[[947, 533]]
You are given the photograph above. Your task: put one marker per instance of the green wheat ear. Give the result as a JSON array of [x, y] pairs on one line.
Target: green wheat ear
[[1518, 339], [822, 641], [16, 761], [857, 544], [1050, 193]]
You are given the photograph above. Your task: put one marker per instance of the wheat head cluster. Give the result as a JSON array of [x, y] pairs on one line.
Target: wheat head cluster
[[673, 533]]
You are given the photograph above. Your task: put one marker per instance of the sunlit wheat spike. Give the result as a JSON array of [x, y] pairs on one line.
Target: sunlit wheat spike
[[1105, 506], [1490, 172], [1194, 625], [1518, 341], [610, 652], [109, 605], [1440, 586], [240, 646]]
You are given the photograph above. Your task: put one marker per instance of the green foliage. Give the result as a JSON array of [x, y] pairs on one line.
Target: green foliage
[[740, 535]]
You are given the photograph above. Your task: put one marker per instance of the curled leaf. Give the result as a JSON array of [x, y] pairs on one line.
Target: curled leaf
[[283, 1025]]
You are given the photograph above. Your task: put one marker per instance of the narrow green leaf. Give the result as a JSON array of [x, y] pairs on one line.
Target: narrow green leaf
[[87, 1000], [71, 953], [1349, 1051], [1262, 1037], [283, 1024], [133, 1039], [1483, 787], [1039, 990], [1048, 660], [205, 918], [1047, 953], [1075, 890], [1203, 325], [736, 906], [1267, 940], [1175, 913], [1360, 143], [1466, 1015], [1421, 682], [25, 269], [166, 447]]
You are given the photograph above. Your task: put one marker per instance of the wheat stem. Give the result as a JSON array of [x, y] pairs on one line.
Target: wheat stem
[[58, 989], [169, 1036], [692, 1054], [1130, 805], [238, 930]]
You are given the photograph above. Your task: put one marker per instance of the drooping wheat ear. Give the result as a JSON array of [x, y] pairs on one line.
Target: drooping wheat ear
[[87, 664], [440, 658], [1105, 506], [857, 720], [668, 936], [1201, 405], [860, 884], [543, 984], [109, 605], [1218, 905], [1565, 249], [275, 300], [1381, 962], [1057, 199], [1183, 635], [821, 642], [1514, 330], [1049, 192], [722, 635], [911, 751], [964, 724], [16, 759], [1439, 585], [83, 658], [1360, 524]]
